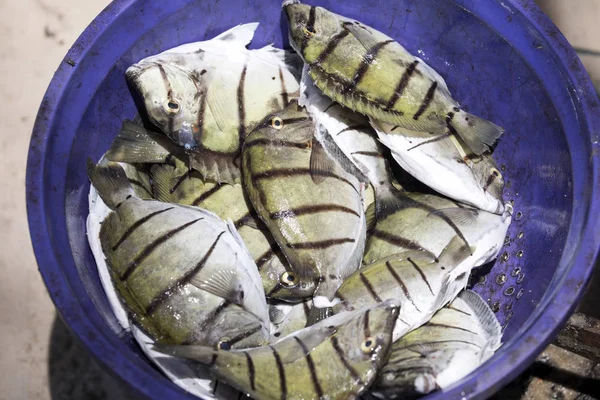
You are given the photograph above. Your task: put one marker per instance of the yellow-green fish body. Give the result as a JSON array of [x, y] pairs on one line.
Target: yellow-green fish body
[[182, 272], [178, 184], [368, 72], [337, 358], [288, 318], [458, 339], [312, 207], [207, 96], [419, 282]]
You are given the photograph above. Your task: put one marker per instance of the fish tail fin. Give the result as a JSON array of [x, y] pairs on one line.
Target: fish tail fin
[[136, 144], [387, 200], [486, 317], [201, 354], [478, 134], [110, 181], [317, 314]]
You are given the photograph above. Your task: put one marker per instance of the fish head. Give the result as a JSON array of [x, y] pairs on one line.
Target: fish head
[[292, 124], [310, 29], [282, 284], [172, 96], [234, 328], [366, 339]]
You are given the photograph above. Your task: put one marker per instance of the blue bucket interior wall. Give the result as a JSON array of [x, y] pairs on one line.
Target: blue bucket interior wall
[[502, 60]]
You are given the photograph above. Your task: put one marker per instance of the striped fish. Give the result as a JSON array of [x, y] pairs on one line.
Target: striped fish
[[427, 223], [419, 282], [288, 318], [207, 96], [368, 72], [183, 273], [337, 358], [458, 339], [444, 164], [312, 207], [178, 184], [346, 131]]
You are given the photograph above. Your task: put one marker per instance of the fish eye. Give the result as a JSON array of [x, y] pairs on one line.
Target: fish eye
[[288, 279], [495, 172], [368, 345], [224, 345], [172, 106], [276, 123], [309, 31]]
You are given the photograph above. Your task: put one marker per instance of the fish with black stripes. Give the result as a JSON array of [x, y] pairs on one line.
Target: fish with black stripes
[[312, 206], [458, 339], [369, 72], [184, 274], [444, 164], [337, 358], [207, 96], [349, 139], [427, 223], [421, 283], [178, 184]]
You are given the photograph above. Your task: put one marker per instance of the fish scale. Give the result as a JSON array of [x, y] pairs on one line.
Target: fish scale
[[175, 266], [457, 339], [178, 184], [333, 358], [320, 227], [368, 72]]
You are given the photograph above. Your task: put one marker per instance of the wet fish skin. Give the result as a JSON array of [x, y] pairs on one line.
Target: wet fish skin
[[139, 178], [419, 282], [182, 272], [207, 96], [457, 339], [354, 64], [445, 165], [337, 358], [288, 318], [319, 226], [179, 184], [424, 222]]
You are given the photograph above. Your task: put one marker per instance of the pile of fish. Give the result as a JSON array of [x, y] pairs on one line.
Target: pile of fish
[[259, 224]]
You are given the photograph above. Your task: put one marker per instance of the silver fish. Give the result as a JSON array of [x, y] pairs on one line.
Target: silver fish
[[446, 166], [184, 274], [458, 339], [312, 207], [178, 184], [421, 283], [337, 358], [207, 96], [369, 72]]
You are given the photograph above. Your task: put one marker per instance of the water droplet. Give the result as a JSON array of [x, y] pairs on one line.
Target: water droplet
[[520, 294], [507, 240], [501, 279], [482, 279], [509, 291], [519, 215], [520, 253], [515, 271], [520, 235], [508, 306], [509, 315], [496, 307], [504, 257], [521, 277]]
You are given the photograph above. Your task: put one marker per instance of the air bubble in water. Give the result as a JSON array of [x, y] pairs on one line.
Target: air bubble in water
[[501, 279], [509, 291], [521, 277], [520, 294], [516, 271]]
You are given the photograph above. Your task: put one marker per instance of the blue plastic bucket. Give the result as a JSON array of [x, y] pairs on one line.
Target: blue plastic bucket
[[503, 60]]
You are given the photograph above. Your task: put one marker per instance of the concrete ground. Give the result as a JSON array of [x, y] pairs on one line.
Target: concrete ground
[[39, 359]]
